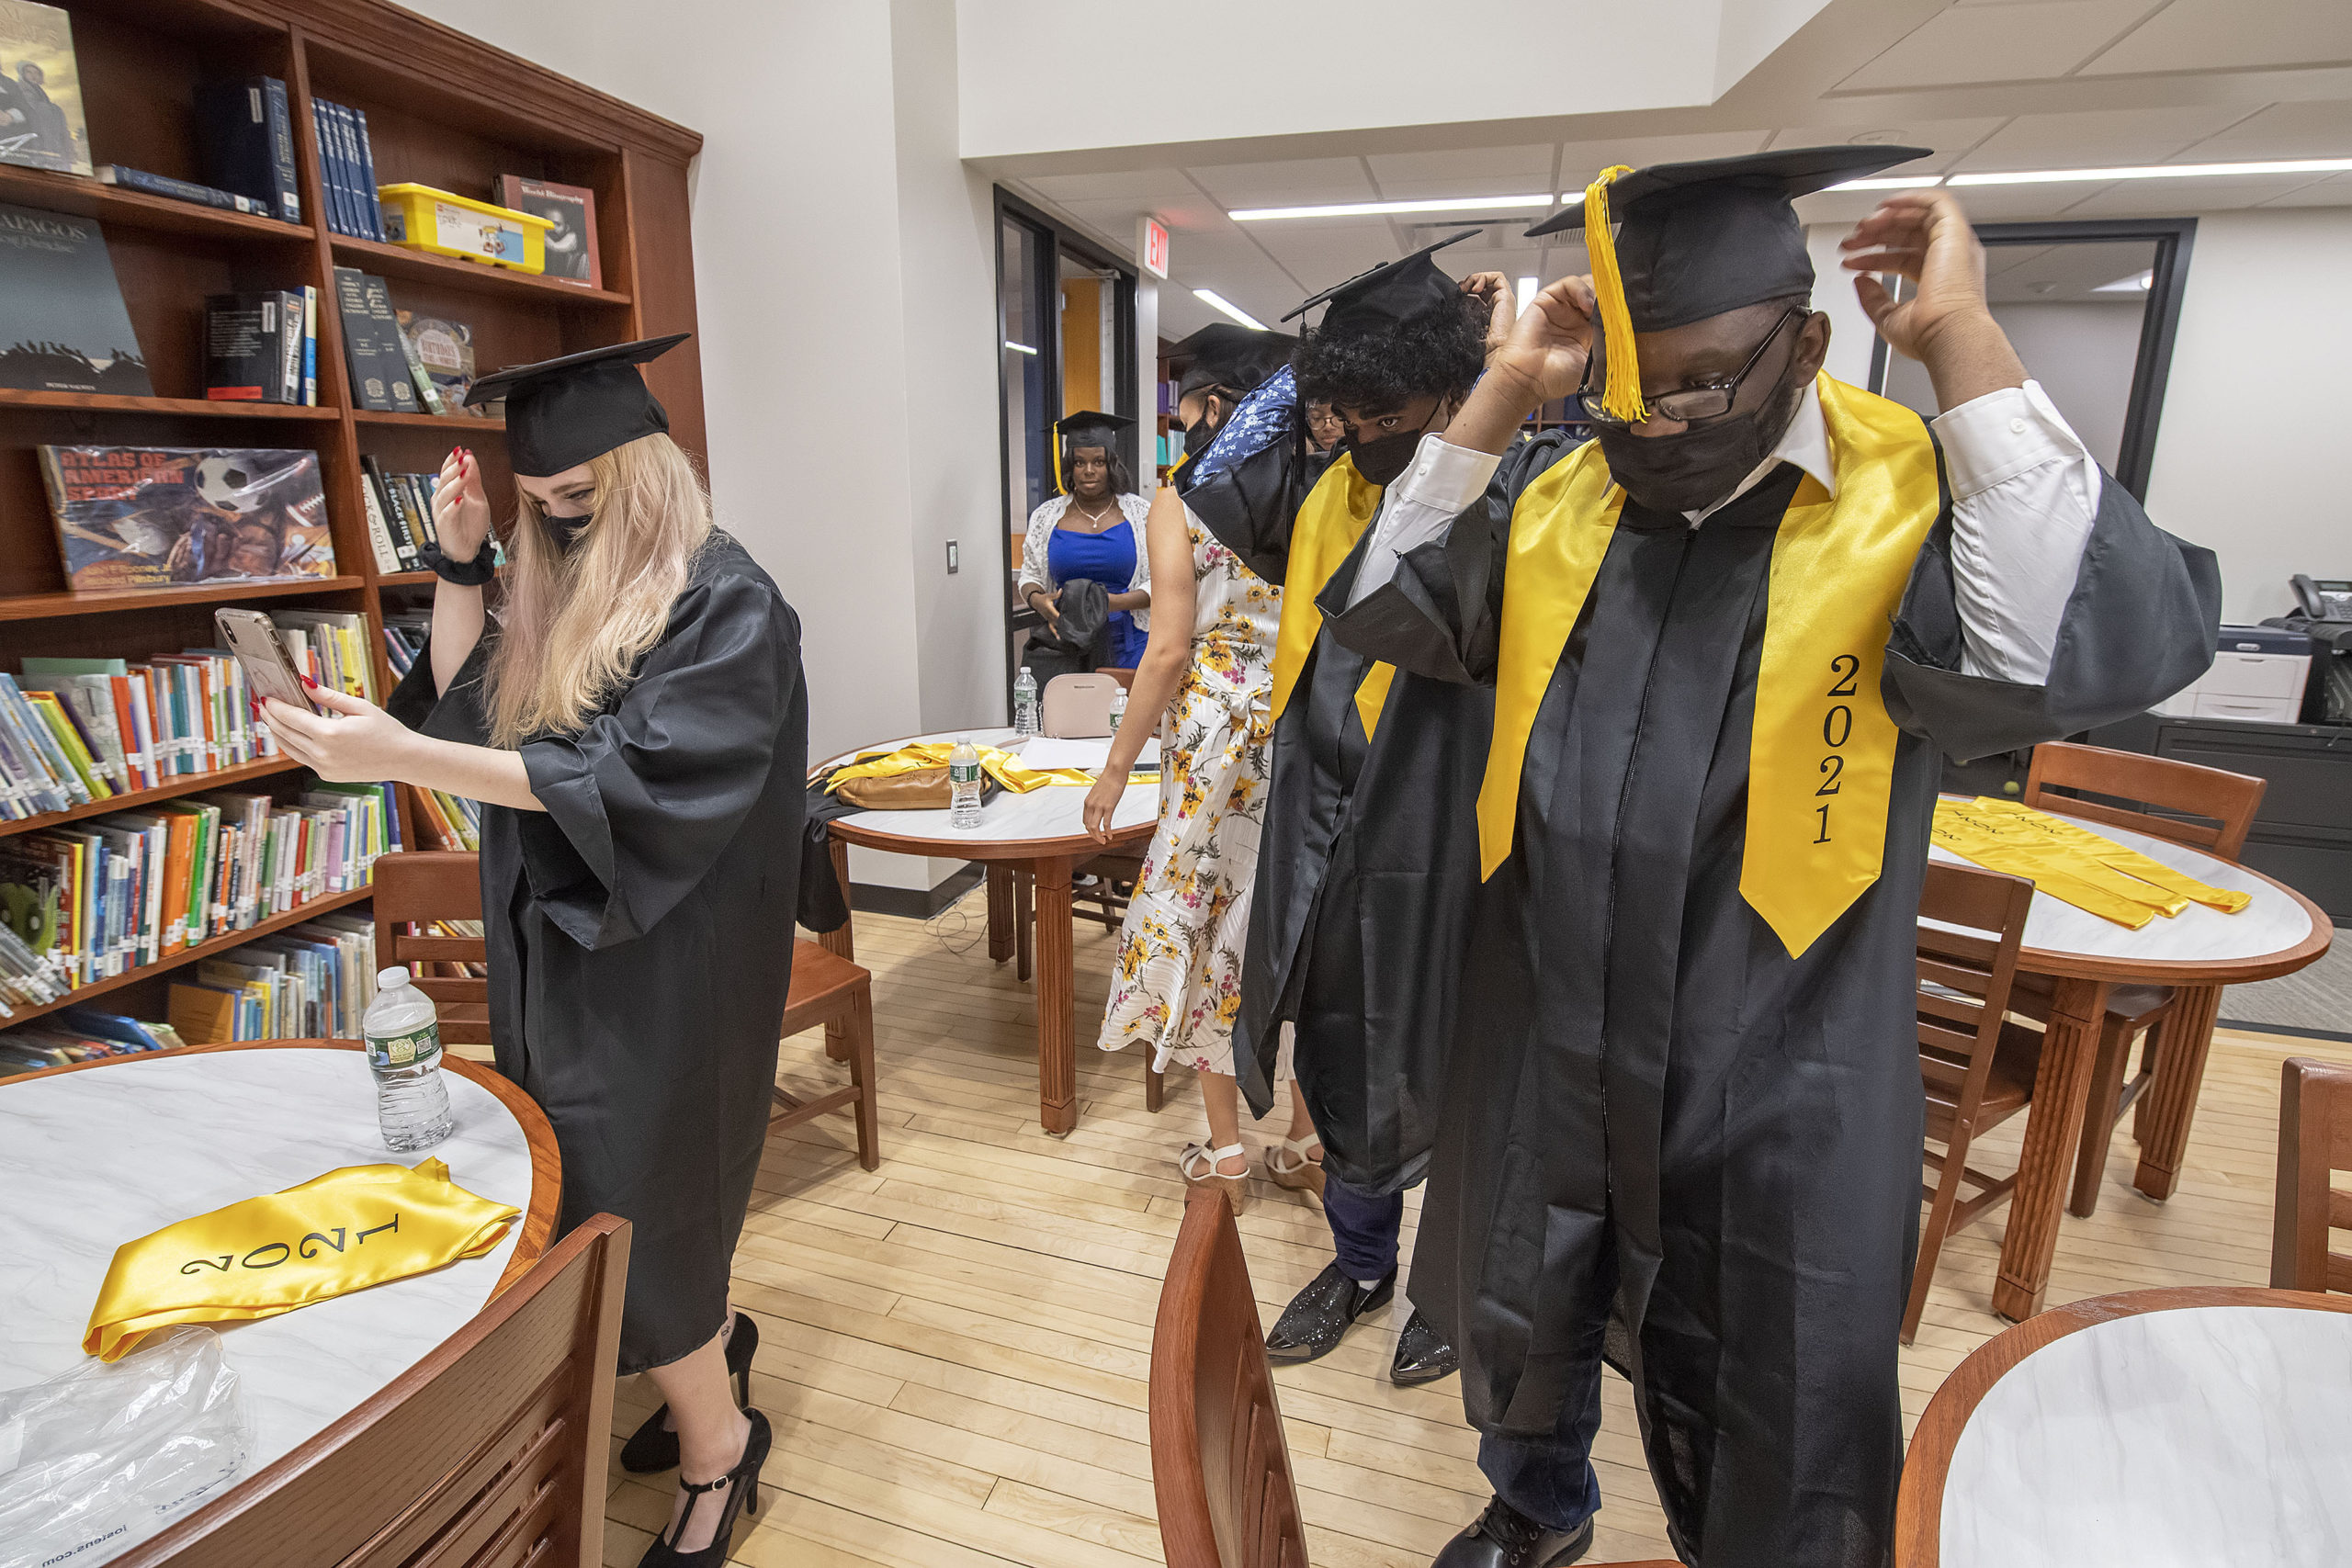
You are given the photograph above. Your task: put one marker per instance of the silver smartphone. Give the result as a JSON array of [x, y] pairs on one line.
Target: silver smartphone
[[269, 669]]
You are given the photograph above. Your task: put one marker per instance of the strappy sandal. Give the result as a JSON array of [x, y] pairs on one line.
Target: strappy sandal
[[1199, 1163], [1306, 1175]]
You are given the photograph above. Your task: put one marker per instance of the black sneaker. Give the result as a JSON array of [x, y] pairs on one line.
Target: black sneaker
[[1422, 1354], [1502, 1537], [1310, 1328]]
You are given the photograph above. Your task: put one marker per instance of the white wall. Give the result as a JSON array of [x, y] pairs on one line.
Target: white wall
[[1291, 69], [845, 289], [2253, 455]]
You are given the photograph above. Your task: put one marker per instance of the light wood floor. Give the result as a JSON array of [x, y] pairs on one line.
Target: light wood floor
[[953, 1348]]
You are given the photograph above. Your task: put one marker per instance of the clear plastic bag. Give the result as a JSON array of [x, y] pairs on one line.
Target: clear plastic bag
[[98, 1458]]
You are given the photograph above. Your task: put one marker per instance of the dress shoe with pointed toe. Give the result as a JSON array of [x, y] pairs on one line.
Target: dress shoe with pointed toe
[[1422, 1354], [654, 1446], [1502, 1537], [1310, 1328]]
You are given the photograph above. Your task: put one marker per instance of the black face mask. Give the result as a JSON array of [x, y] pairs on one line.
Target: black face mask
[[566, 531], [1380, 461], [1694, 468], [1198, 435]]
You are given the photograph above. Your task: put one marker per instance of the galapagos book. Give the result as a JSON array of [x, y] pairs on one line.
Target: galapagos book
[[62, 327], [168, 516]]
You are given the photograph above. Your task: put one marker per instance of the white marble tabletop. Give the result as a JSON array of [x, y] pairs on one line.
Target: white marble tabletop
[[2271, 923], [1053, 812], [2196, 1436], [89, 1160]]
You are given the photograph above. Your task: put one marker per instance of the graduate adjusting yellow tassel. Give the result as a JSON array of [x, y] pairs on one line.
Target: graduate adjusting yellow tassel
[[1621, 393]]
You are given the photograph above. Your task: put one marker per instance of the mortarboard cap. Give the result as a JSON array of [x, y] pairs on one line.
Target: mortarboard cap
[[1389, 294], [563, 412], [1075, 428], [1226, 354], [1696, 240]]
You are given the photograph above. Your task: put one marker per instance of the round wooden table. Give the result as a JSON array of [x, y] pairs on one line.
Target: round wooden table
[[2197, 951], [2191, 1425], [1043, 832], [101, 1153]]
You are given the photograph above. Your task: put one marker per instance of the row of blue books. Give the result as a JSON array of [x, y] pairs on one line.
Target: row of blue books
[[81, 1034]]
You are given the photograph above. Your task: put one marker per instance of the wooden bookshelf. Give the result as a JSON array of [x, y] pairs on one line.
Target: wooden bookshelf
[[444, 110]]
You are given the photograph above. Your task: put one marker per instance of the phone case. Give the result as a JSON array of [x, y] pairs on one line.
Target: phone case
[[269, 669]]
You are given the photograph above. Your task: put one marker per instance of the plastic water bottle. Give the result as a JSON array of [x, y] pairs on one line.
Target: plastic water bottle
[[1024, 703], [1118, 708], [963, 784], [404, 1051]]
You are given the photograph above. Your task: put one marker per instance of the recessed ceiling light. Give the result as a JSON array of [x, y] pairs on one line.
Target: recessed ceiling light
[[1217, 301], [1892, 181], [2138, 283], [1372, 208], [1018, 347], [2158, 172]]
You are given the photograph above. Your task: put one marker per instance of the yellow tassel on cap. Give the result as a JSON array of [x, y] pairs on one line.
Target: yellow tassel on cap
[[1621, 393]]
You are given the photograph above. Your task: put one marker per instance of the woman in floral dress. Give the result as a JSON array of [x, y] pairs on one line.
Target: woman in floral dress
[[1178, 982]]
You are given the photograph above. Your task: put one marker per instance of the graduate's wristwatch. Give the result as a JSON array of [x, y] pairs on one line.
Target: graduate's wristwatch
[[464, 574]]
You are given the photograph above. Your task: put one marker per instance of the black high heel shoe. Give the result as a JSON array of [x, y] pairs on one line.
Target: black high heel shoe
[[652, 1448], [742, 1496]]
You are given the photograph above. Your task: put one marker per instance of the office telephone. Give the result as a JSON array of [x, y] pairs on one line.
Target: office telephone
[[2323, 600], [2323, 613]]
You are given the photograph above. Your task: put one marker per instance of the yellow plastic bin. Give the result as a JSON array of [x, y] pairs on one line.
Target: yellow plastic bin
[[419, 217]]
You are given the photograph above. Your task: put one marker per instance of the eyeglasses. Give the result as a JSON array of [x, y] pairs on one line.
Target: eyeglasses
[[1686, 404]]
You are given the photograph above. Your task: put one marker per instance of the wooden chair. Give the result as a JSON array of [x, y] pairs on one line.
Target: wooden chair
[[1220, 1462], [492, 1451], [1976, 1067], [2206, 808], [420, 886], [2314, 1141]]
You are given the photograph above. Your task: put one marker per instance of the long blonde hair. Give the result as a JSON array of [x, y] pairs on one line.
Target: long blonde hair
[[575, 624]]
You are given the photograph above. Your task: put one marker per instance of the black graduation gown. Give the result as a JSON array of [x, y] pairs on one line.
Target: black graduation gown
[[640, 932], [1649, 1102], [1367, 862]]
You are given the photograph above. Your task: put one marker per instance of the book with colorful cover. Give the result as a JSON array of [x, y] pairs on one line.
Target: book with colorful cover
[[167, 516]]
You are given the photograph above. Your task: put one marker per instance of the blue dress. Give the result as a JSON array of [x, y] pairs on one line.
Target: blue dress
[[1108, 558]]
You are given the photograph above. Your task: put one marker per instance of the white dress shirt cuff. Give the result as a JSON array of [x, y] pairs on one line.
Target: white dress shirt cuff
[[1420, 506], [1993, 439]]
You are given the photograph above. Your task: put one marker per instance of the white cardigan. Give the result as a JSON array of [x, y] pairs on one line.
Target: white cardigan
[[1048, 517]]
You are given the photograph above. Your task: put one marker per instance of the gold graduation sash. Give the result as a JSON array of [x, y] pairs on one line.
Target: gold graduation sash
[[1822, 754], [1332, 518], [342, 1232], [1000, 765], [2074, 864]]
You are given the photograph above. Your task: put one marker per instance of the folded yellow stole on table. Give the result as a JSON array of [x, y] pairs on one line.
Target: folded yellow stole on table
[[342, 1232], [1000, 765], [2071, 863]]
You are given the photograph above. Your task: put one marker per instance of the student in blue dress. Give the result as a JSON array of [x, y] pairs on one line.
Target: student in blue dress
[[1092, 532]]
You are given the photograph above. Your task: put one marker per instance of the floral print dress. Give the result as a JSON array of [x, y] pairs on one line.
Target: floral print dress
[[1178, 982]]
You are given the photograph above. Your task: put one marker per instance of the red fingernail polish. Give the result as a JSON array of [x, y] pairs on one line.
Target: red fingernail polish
[[313, 686]]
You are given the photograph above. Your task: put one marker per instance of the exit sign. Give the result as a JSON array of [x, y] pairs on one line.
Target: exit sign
[[1153, 244]]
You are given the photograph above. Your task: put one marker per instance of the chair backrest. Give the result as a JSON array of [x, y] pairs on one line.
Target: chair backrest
[[1965, 974], [2314, 1141], [420, 886], [490, 1451], [1220, 1466], [2229, 800], [1077, 707]]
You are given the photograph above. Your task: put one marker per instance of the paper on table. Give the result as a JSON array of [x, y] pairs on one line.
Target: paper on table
[[1046, 751]]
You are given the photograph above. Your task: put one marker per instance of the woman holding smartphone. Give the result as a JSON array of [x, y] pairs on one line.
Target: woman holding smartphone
[[635, 728]]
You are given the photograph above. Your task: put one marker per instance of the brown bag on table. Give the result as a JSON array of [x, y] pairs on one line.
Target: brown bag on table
[[923, 789]]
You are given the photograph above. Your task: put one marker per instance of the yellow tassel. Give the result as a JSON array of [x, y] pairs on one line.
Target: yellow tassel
[[1621, 393], [1054, 439]]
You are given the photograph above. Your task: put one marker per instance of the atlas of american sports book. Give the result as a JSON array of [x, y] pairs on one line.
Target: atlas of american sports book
[[132, 517]]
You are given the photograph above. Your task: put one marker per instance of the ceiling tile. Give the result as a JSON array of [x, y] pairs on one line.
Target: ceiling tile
[[1947, 138], [2333, 191], [2099, 137], [1981, 43], [1293, 182], [1484, 171], [2212, 35], [2169, 198], [1580, 160], [2322, 129]]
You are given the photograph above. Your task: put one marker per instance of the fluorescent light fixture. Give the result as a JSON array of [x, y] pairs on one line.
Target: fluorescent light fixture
[[1892, 181], [1373, 209], [1217, 301], [2138, 283], [1529, 287], [1018, 347], [2158, 172]]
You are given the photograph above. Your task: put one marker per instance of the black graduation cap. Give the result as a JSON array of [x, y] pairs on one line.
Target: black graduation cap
[[1389, 294], [1226, 354], [1088, 428], [1696, 240], [563, 412]]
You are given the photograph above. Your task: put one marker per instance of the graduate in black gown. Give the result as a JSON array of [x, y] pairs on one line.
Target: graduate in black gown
[[1368, 856], [637, 730], [1731, 643]]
